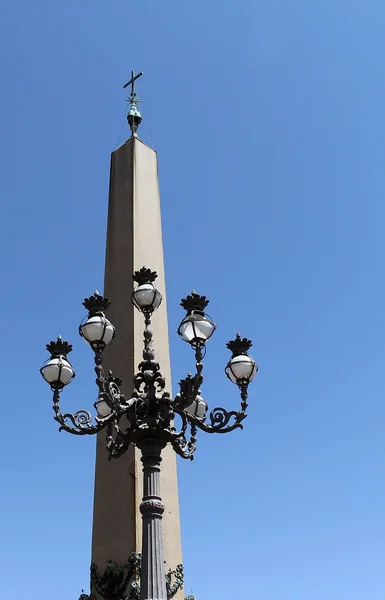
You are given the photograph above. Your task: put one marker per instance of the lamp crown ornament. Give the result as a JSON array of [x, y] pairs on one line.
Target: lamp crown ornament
[[239, 345], [194, 302], [96, 304], [144, 275], [58, 347]]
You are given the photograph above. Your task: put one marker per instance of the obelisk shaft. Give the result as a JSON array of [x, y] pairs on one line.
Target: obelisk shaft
[[134, 240]]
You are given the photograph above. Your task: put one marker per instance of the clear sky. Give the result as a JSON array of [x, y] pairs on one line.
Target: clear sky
[[268, 117]]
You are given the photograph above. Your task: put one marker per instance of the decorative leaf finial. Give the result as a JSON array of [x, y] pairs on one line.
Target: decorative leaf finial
[[144, 275], [58, 347], [194, 302], [239, 345], [96, 304]]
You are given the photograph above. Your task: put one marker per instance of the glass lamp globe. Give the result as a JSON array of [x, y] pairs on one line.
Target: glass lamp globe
[[103, 409], [97, 331], [241, 369], [57, 371], [198, 408], [146, 297], [196, 329]]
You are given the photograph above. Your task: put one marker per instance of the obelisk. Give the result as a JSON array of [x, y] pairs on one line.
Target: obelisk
[[134, 240]]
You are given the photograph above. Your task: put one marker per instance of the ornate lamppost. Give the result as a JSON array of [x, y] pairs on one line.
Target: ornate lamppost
[[147, 419]]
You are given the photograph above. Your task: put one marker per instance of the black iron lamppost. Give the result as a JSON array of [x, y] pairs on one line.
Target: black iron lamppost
[[147, 419]]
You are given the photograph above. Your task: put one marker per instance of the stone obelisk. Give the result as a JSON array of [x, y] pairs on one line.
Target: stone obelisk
[[134, 240]]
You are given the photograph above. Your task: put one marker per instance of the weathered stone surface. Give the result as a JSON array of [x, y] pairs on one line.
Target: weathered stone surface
[[134, 240]]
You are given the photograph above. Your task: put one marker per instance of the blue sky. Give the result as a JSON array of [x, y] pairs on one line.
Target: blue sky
[[268, 118]]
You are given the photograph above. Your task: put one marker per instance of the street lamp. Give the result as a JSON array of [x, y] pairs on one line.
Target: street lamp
[[150, 412]]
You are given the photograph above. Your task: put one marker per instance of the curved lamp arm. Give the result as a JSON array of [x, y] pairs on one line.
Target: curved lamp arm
[[109, 393], [220, 417]]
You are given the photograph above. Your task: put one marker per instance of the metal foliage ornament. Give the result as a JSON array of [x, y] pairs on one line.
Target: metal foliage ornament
[[116, 582], [178, 575], [123, 583]]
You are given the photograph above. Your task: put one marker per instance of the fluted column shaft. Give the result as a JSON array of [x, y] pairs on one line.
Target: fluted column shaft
[[152, 580]]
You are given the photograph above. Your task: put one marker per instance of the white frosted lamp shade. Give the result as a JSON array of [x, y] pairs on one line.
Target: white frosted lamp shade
[[103, 409], [196, 329], [198, 408], [146, 297], [57, 371], [241, 369], [97, 331]]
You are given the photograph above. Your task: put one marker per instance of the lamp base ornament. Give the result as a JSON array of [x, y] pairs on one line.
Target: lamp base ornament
[[123, 583]]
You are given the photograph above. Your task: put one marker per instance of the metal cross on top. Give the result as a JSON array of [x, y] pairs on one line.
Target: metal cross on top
[[134, 117], [132, 83]]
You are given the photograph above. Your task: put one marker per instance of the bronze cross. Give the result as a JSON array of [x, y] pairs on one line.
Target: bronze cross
[[132, 82]]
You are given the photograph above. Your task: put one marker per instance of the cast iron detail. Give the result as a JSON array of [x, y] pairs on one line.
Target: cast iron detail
[[116, 583], [96, 304], [150, 411], [58, 348], [239, 345], [152, 506], [144, 275], [194, 302], [178, 575], [123, 583]]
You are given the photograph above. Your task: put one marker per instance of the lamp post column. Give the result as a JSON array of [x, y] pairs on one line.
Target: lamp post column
[[153, 582]]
